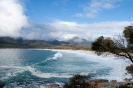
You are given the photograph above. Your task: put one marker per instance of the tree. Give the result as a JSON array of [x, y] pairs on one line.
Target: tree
[[77, 81], [128, 34], [101, 45], [117, 46], [98, 44]]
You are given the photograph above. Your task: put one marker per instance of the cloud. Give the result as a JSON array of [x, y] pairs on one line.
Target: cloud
[[12, 18], [13, 22], [64, 30], [95, 6]]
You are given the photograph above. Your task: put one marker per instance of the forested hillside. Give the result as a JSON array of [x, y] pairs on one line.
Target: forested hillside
[[8, 42]]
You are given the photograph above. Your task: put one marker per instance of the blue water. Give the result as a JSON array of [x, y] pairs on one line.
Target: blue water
[[28, 65]]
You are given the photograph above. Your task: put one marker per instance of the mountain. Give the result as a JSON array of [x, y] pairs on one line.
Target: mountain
[[80, 42], [8, 42], [56, 42], [74, 43]]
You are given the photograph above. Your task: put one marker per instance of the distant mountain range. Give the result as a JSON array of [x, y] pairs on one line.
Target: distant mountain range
[[9, 42], [79, 41]]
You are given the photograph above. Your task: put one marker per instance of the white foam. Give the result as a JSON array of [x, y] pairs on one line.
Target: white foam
[[117, 65], [46, 75], [57, 56], [117, 73], [13, 71]]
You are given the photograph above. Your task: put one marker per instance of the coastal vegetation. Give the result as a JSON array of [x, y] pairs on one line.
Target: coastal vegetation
[[82, 81], [120, 45], [130, 69], [77, 81]]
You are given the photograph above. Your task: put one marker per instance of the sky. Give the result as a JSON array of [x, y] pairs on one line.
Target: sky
[[64, 19]]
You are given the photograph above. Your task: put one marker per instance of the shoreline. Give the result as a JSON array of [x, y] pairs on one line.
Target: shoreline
[[84, 52], [81, 51], [77, 51], [95, 83], [74, 50]]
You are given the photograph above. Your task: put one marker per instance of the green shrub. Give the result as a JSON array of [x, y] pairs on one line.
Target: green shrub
[[77, 81], [130, 69]]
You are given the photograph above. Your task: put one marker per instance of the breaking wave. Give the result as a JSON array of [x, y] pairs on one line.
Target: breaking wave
[[46, 75], [54, 64], [57, 56]]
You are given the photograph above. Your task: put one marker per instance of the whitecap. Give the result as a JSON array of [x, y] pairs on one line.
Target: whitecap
[[46, 75], [116, 64], [57, 56]]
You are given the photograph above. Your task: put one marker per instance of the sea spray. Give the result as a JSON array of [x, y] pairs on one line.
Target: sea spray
[[46, 75], [57, 56], [102, 67], [58, 65]]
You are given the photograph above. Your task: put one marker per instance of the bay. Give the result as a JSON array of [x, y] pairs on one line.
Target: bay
[[33, 65]]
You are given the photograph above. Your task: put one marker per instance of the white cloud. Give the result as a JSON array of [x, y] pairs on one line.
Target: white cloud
[[12, 18], [13, 22], [62, 30], [95, 6]]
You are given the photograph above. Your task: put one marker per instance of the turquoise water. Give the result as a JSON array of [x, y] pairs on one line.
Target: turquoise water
[[28, 65]]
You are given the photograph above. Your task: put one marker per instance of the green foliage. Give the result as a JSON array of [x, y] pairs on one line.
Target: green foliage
[[103, 45], [128, 34], [108, 44], [130, 69], [77, 81], [98, 44], [121, 46]]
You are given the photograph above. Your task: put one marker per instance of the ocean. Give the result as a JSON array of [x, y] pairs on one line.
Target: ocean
[[50, 66]]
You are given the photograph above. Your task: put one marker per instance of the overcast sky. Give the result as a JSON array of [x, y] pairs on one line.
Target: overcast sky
[[64, 19]]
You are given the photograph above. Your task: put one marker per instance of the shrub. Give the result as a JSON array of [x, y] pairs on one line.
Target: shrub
[[130, 69], [77, 81]]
